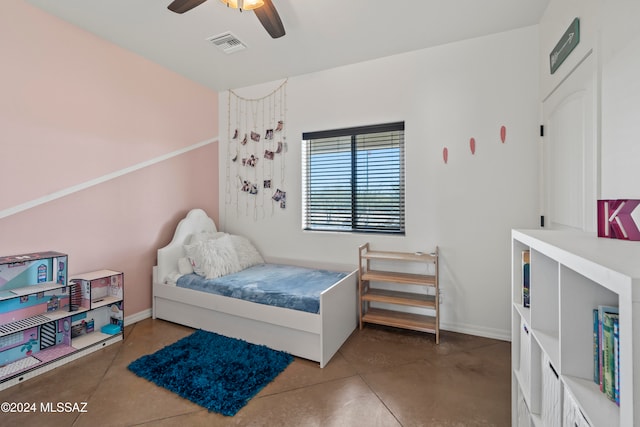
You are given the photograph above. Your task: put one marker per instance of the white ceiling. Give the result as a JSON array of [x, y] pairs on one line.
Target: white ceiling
[[321, 34]]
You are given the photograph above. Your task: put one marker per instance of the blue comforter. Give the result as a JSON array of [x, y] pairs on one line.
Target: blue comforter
[[286, 286]]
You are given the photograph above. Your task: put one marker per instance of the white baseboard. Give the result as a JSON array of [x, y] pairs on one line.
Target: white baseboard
[[134, 318], [497, 334]]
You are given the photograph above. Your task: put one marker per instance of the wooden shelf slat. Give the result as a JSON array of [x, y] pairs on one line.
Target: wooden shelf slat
[[406, 278], [401, 298], [416, 322], [399, 256]]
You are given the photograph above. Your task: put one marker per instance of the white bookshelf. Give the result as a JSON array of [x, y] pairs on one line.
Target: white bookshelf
[[571, 273]]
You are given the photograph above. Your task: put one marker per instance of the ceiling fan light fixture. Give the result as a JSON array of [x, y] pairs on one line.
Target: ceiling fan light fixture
[[243, 4]]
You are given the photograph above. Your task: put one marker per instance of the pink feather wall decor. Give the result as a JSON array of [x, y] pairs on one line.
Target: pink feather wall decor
[[472, 145], [445, 155], [503, 134]]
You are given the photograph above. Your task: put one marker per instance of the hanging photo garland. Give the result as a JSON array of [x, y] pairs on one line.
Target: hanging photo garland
[[256, 152], [280, 197]]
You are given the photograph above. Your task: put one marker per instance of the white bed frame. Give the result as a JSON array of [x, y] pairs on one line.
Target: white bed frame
[[311, 336]]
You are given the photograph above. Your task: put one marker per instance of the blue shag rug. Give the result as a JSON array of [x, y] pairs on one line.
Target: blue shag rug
[[219, 373]]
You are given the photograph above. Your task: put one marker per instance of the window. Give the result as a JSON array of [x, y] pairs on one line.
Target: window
[[353, 179]]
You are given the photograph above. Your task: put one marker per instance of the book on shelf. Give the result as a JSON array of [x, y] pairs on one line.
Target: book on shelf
[[526, 276], [608, 356], [596, 347], [606, 351], [616, 360]]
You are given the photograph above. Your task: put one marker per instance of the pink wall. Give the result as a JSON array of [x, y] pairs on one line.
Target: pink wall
[[74, 108]]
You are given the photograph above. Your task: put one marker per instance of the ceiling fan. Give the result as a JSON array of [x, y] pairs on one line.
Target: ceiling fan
[[264, 10]]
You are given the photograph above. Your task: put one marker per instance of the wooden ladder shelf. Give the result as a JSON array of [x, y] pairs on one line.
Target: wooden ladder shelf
[[400, 295]]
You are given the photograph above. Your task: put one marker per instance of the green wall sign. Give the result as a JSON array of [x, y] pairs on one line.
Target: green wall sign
[[567, 43]]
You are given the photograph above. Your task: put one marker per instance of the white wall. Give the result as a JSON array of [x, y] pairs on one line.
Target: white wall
[[610, 29], [621, 100], [445, 95], [556, 20]]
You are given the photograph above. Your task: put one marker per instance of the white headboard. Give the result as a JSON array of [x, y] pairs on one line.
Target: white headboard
[[195, 221]]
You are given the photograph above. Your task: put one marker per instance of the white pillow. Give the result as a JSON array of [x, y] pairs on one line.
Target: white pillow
[[202, 236], [247, 254], [213, 258], [184, 266], [172, 278]]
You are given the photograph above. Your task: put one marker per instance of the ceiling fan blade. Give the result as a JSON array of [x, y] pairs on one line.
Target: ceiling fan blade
[[182, 6], [270, 20]]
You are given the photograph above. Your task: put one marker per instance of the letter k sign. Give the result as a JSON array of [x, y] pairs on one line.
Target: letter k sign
[[615, 219]]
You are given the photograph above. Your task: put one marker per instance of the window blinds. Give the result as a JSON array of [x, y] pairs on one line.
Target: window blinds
[[353, 179]]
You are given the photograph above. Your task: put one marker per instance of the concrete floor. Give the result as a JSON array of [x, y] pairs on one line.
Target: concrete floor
[[380, 377]]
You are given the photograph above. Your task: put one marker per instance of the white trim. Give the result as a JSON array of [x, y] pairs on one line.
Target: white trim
[[479, 331], [104, 178], [134, 318]]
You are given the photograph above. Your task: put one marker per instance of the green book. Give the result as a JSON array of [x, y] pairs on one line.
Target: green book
[[609, 360], [602, 309]]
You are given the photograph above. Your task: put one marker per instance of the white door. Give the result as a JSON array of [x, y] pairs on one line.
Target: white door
[[570, 175]]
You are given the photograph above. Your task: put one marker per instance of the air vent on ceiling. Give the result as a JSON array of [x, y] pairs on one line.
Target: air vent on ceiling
[[227, 42]]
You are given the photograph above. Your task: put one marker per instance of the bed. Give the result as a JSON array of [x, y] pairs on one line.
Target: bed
[[306, 334]]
